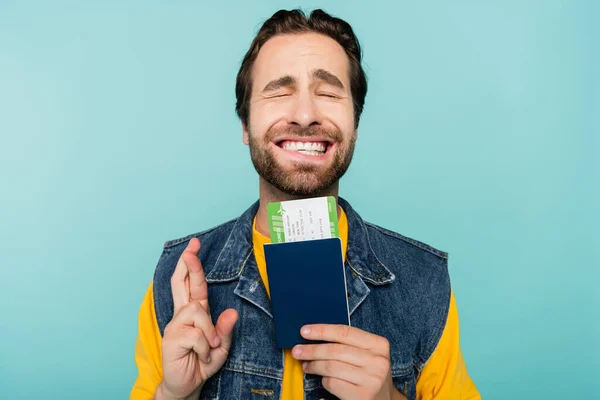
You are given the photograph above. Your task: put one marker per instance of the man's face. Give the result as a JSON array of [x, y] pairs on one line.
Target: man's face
[[301, 127]]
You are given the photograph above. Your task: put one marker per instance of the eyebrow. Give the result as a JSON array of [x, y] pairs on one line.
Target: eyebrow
[[318, 74], [279, 83], [327, 77]]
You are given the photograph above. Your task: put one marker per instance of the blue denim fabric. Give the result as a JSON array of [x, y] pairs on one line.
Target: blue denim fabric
[[398, 288]]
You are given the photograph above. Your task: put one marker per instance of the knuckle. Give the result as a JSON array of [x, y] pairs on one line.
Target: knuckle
[[328, 367], [194, 306], [383, 366], [337, 349], [196, 335], [307, 367], [384, 345], [319, 331], [308, 351], [202, 350], [344, 331]]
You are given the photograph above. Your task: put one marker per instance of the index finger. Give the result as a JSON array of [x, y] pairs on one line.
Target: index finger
[[348, 335]]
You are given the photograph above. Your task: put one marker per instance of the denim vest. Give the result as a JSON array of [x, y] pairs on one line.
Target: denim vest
[[398, 288]]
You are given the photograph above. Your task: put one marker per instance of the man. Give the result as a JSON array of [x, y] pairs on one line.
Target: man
[[205, 326]]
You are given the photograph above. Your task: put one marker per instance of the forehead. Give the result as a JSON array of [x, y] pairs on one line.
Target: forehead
[[298, 55]]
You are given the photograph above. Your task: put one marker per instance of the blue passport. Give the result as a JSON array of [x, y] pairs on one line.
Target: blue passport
[[308, 286]]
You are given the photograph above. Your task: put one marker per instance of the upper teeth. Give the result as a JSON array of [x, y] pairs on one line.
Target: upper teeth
[[305, 146]]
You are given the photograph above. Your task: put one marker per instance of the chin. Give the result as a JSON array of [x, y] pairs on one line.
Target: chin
[[303, 185]]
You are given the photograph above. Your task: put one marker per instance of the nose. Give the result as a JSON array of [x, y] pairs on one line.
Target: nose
[[305, 112]]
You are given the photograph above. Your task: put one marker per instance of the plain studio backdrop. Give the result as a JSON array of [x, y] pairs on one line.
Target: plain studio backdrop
[[479, 137]]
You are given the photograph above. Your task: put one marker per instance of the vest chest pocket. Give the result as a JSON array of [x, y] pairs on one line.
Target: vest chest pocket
[[231, 383]]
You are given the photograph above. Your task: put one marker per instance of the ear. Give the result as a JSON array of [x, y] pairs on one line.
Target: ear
[[245, 136]]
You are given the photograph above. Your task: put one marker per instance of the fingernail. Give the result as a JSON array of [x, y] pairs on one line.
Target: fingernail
[[305, 330], [296, 351], [304, 364], [207, 359], [216, 341]]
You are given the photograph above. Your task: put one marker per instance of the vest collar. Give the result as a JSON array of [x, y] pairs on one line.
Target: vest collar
[[360, 257]]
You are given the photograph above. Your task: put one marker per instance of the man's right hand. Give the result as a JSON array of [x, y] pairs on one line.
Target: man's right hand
[[193, 349]]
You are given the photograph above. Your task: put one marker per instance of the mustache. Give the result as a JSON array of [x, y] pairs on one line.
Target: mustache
[[334, 135]]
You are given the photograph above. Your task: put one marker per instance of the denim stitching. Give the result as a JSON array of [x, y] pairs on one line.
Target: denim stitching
[[241, 386], [399, 372], [218, 386], [223, 248], [356, 273], [215, 276], [246, 366], [384, 270], [376, 280], [249, 369]]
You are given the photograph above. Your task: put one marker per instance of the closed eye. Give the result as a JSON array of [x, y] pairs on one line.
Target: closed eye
[[279, 95], [331, 96]]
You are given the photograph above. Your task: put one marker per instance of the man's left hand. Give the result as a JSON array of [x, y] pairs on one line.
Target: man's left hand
[[354, 364]]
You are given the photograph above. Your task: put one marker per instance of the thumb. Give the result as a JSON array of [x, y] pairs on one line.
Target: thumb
[[225, 325]]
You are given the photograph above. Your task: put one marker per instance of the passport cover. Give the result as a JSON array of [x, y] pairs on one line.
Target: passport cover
[[308, 286]]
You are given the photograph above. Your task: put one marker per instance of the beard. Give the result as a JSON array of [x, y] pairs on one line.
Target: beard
[[305, 179]]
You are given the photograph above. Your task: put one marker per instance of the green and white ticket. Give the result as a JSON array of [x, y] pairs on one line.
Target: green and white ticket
[[306, 219]]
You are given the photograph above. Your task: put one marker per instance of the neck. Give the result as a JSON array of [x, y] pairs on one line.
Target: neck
[[268, 193]]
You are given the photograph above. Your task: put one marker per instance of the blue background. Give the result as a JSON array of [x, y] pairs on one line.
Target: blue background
[[480, 137]]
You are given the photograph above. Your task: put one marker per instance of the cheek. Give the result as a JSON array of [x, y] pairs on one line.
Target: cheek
[[265, 116], [341, 115]]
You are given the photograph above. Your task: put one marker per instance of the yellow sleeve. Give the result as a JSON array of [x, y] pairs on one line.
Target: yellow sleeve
[[445, 374], [148, 356]]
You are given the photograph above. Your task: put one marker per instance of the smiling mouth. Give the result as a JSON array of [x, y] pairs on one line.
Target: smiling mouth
[[315, 149]]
